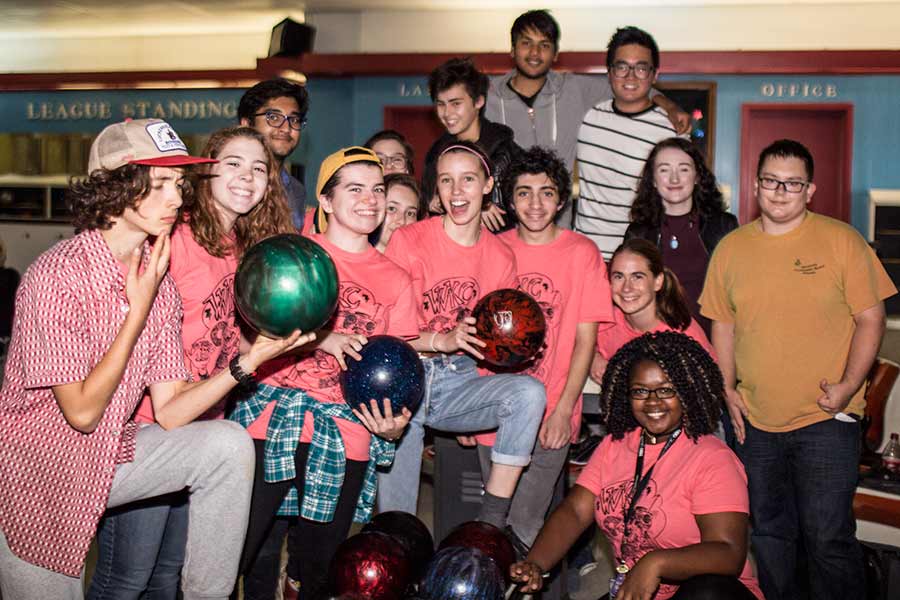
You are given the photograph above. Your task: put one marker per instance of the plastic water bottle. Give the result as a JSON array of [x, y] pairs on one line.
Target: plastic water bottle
[[890, 458]]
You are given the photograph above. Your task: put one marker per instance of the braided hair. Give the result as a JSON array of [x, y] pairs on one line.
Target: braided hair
[[693, 373]]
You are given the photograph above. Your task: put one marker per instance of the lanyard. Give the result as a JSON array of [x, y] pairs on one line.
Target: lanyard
[[640, 483]]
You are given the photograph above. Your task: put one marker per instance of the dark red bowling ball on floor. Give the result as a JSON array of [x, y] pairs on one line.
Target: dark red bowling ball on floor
[[410, 532], [485, 537], [512, 325], [369, 565]]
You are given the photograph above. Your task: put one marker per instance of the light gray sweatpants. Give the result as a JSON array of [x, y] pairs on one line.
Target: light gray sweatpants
[[215, 461]]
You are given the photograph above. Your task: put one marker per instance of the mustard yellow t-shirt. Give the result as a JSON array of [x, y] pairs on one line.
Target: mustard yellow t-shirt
[[792, 298]]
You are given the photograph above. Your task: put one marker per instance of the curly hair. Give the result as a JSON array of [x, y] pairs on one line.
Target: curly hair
[[270, 217], [96, 200], [648, 206], [456, 71], [691, 370], [671, 301], [534, 161]]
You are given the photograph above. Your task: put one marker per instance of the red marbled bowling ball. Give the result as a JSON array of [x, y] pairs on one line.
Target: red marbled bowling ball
[[512, 325], [370, 565], [485, 537]]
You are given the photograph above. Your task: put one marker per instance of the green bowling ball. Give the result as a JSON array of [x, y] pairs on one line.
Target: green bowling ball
[[286, 282]]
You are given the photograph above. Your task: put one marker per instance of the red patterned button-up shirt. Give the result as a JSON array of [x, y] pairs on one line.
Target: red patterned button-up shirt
[[55, 480]]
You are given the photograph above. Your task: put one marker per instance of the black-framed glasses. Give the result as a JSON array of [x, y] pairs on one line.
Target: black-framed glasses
[[641, 70], [396, 161], [663, 393], [772, 184], [276, 120]]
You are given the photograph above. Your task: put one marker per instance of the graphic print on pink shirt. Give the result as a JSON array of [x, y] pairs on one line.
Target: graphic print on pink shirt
[[648, 522], [448, 302], [210, 353], [357, 312], [541, 288]]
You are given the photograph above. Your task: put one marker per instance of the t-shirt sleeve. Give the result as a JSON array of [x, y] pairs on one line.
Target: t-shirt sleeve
[[51, 322], [866, 283], [398, 251], [596, 297], [714, 302], [404, 315], [509, 275], [695, 331], [591, 475], [594, 89], [167, 363], [720, 484]]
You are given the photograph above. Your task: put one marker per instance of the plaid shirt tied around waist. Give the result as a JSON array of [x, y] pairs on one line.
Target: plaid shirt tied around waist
[[326, 464]]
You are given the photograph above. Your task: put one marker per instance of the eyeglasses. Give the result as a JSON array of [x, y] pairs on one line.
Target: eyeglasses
[[397, 161], [772, 184], [641, 70], [276, 120], [663, 393]]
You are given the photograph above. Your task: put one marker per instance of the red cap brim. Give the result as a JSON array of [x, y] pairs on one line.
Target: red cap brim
[[177, 160]]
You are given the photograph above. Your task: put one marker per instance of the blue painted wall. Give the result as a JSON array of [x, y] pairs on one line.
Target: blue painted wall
[[876, 119], [345, 111]]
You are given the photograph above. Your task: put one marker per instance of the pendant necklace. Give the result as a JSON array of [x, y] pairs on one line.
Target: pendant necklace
[[673, 242]]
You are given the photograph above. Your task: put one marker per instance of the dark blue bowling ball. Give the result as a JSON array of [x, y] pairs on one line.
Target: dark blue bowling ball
[[389, 368], [458, 573]]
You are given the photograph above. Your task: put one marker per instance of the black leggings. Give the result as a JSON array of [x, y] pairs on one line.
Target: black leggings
[[310, 544]]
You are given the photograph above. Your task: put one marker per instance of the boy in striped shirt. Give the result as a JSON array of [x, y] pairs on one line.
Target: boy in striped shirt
[[615, 138]]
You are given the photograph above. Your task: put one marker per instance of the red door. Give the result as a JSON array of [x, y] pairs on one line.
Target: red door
[[419, 126], [826, 129]]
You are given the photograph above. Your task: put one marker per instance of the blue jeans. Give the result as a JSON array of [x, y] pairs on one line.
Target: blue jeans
[[802, 484], [459, 400], [141, 550]]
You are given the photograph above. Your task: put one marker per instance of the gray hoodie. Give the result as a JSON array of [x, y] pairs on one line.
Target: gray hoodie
[[558, 110]]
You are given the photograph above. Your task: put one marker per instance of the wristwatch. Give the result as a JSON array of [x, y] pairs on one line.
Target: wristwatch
[[245, 380]]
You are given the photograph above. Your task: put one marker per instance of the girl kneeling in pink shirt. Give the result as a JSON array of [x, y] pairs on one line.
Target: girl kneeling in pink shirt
[[670, 497]]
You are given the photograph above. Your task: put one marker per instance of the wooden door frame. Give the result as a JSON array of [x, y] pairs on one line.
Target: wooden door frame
[[748, 163]]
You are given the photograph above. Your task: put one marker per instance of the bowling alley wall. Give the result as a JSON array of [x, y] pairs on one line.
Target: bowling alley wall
[[45, 133]]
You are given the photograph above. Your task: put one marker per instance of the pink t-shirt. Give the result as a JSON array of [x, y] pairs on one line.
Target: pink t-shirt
[[447, 278], [375, 296], [209, 332], [691, 479], [612, 337], [567, 277]]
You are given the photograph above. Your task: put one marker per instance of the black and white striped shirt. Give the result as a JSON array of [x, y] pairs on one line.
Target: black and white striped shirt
[[612, 149]]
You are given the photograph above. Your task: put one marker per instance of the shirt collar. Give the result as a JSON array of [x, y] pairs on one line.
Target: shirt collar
[[106, 273]]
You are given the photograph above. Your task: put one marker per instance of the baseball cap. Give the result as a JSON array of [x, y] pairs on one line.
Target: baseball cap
[[342, 157], [140, 142]]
